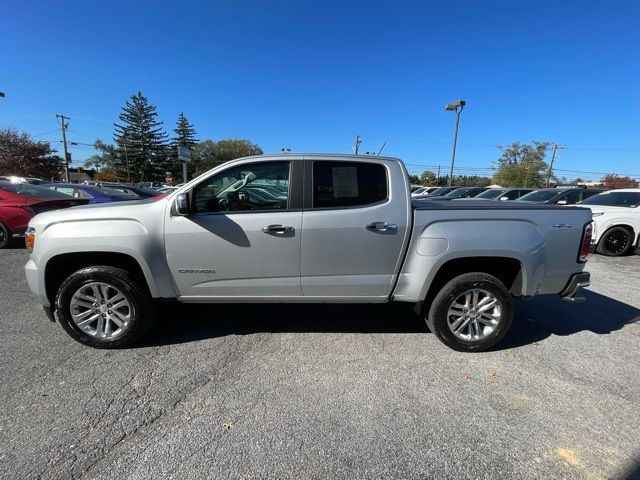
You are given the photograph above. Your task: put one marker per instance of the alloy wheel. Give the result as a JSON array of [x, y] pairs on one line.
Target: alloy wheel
[[474, 314], [617, 242], [100, 310]]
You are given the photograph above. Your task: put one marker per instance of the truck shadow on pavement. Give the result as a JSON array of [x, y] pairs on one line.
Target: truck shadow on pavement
[[534, 321]]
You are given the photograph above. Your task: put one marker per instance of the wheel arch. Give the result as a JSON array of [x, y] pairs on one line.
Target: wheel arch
[[59, 267], [625, 225], [509, 270]]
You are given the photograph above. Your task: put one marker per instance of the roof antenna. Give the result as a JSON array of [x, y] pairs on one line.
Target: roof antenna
[[382, 147]]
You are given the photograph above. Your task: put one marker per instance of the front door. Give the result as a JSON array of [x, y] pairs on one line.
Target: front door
[[242, 238]]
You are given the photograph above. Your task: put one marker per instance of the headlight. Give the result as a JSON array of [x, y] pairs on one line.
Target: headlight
[[30, 238]]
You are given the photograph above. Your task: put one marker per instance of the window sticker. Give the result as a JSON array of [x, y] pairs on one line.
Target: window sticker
[[345, 182]]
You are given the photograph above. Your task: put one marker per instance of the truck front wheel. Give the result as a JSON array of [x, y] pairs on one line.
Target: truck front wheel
[[104, 307], [471, 313]]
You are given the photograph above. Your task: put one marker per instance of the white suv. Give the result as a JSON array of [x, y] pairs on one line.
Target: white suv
[[616, 219]]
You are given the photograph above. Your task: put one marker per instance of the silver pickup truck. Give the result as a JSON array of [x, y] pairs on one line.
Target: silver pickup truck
[[304, 228]]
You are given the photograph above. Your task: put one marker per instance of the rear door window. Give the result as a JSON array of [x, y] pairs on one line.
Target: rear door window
[[348, 184]]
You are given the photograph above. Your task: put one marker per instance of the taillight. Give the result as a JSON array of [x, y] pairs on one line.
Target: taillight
[[587, 235]]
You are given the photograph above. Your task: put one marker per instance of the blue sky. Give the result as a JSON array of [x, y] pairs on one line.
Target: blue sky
[[311, 75]]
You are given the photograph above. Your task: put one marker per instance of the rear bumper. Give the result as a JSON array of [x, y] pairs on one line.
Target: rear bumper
[[577, 282]]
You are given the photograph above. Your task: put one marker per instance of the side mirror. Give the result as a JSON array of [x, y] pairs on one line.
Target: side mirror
[[561, 202], [182, 205]]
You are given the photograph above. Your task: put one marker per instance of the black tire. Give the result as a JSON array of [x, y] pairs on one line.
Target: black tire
[[142, 308], [615, 242], [437, 315], [5, 236]]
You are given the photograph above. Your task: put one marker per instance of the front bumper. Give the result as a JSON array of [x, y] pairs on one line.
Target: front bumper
[[577, 282]]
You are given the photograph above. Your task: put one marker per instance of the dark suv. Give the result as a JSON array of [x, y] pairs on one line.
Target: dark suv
[[560, 195]]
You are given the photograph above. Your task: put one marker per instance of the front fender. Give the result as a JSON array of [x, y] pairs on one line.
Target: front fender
[[124, 236]]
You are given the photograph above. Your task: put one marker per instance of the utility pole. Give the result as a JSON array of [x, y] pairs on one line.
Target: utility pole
[[357, 144], [64, 126], [553, 159], [438, 177]]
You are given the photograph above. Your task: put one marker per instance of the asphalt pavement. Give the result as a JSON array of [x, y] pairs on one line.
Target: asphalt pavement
[[326, 391]]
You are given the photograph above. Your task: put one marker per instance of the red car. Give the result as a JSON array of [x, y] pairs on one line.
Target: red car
[[19, 202]]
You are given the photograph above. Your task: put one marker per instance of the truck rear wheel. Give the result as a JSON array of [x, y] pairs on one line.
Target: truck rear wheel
[[104, 307], [471, 313]]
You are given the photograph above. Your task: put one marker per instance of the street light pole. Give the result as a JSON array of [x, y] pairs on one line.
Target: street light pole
[[457, 107]]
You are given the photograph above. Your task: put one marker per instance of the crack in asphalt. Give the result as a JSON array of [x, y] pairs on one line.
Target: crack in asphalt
[[233, 354]]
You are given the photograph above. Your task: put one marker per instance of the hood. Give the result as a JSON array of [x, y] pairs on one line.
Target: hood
[[602, 209], [99, 211]]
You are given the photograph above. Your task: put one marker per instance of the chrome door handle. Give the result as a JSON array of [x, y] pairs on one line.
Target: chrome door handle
[[278, 229], [382, 227]]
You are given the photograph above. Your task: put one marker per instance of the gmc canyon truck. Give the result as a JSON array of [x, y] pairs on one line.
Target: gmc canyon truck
[[304, 228]]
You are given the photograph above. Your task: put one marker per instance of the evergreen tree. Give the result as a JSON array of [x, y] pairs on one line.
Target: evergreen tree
[[185, 137], [141, 141], [185, 133]]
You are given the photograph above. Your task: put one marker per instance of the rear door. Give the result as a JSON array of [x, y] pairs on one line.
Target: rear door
[[355, 223]]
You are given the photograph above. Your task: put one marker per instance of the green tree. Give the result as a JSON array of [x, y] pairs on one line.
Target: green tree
[[107, 158], [414, 179], [185, 133], [141, 141], [209, 154], [21, 155], [185, 136], [471, 181], [522, 165], [427, 178]]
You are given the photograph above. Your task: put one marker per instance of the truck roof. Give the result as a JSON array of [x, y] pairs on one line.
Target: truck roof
[[311, 156]]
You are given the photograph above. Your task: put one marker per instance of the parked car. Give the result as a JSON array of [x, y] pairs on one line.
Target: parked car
[[423, 192], [237, 234], [560, 196], [150, 185], [126, 189], [616, 218], [19, 202], [94, 194], [18, 179], [503, 193], [442, 191], [464, 192]]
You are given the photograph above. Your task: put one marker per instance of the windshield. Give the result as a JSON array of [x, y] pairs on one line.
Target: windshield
[[458, 192], [615, 199], [539, 196], [116, 192], [438, 192], [419, 191], [32, 190], [491, 194]]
